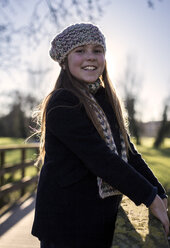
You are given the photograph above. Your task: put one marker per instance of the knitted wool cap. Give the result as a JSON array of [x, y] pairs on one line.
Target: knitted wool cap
[[74, 36]]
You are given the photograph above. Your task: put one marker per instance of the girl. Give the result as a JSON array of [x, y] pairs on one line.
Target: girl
[[88, 158]]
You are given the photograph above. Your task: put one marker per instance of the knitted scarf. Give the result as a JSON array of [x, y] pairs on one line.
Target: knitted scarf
[[105, 189]]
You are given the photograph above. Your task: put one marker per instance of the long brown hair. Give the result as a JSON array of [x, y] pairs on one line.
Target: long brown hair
[[67, 81]]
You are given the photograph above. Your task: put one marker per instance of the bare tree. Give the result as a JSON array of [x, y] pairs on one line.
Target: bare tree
[[29, 25], [130, 84], [151, 3], [24, 23], [164, 129], [19, 115], [41, 18]]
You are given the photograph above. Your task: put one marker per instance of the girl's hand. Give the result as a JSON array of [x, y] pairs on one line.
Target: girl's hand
[[159, 210]]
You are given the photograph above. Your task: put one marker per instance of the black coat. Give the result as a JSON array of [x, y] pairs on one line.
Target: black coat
[[68, 207]]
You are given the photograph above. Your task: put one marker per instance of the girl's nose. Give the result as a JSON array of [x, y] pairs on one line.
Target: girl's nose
[[90, 55]]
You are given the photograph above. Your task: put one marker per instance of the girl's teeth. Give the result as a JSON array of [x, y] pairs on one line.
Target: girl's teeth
[[89, 68]]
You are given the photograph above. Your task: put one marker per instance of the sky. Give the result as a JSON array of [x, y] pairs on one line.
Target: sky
[[131, 29]]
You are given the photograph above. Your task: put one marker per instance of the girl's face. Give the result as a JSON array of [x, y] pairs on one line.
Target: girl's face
[[86, 63]]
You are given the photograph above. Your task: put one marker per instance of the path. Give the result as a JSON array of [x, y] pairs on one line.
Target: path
[[15, 226]]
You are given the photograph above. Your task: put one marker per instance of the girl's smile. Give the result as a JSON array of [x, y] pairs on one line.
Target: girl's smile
[[87, 62]]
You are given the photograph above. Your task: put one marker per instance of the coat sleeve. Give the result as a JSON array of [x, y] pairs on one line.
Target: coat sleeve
[[70, 124], [136, 160]]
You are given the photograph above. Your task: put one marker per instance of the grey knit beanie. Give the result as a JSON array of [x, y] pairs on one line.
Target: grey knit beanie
[[74, 36]]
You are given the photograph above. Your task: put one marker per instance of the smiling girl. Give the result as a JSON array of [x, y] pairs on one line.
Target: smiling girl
[[88, 158]]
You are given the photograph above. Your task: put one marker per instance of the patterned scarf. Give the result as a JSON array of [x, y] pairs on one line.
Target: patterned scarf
[[105, 189]]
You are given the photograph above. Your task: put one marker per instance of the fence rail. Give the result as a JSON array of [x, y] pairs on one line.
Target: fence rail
[[5, 168]]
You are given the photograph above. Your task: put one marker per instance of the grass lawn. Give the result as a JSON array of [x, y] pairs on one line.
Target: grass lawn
[[157, 159], [13, 157], [10, 141]]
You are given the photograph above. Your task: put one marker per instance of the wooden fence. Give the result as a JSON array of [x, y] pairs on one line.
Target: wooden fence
[[6, 188]]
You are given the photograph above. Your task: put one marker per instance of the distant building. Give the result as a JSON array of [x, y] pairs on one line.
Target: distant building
[[150, 129]]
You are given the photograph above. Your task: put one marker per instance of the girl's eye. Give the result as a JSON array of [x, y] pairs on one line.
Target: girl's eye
[[79, 51], [98, 51]]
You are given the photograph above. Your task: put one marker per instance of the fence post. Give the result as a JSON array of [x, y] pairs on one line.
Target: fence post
[[23, 153], [2, 181], [2, 162]]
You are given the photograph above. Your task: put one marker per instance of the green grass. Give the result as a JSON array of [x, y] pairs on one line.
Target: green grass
[[13, 157], [157, 159], [11, 141]]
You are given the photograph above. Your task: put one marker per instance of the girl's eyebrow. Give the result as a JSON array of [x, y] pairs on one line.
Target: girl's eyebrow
[[80, 47], [98, 46]]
